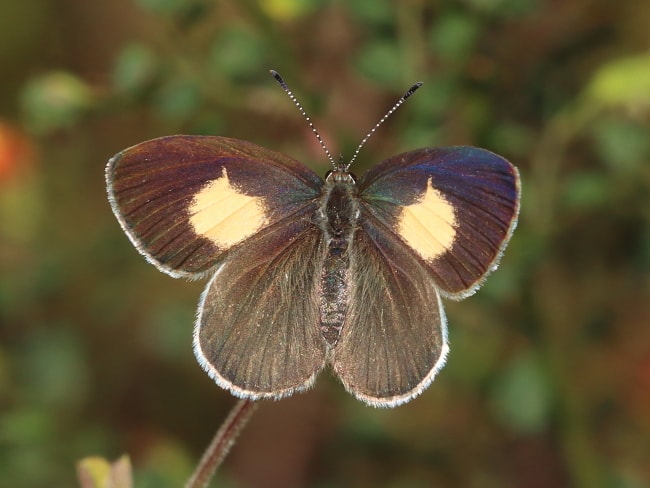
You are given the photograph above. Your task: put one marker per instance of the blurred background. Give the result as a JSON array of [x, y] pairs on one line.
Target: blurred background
[[548, 380]]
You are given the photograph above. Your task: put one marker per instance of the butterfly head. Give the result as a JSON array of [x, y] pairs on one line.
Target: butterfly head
[[340, 174]]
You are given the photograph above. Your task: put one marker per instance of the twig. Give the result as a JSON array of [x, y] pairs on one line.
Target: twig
[[223, 440]]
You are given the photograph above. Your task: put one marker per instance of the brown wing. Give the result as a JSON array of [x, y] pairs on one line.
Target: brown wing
[[394, 339], [257, 332]]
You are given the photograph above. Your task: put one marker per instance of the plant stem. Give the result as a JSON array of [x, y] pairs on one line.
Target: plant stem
[[221, 444]]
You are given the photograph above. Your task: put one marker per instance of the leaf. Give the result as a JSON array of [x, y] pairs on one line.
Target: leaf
[[522, 398], [622, 83], [453, 36], [97, 472], [373, 58], [135, 68], [55, 100], [287, 10]]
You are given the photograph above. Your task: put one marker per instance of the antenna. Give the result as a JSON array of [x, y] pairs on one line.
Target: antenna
[[399, 102], [290, 94], [295, 101]]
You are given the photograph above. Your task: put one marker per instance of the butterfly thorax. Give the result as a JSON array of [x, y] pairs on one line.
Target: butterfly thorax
[[337, 217]]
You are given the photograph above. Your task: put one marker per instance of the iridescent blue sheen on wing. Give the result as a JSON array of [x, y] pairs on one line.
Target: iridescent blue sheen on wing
[[152, 186], [483, 189]]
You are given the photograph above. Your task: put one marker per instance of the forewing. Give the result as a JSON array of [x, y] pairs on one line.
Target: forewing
[[184, 201], [257, 332], [456, 207], [394, 339]]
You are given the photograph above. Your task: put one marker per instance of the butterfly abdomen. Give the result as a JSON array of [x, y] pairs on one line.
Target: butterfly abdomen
[[336, 217]]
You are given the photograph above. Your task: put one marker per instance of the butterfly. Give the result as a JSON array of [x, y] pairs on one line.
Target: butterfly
[[307, 272]]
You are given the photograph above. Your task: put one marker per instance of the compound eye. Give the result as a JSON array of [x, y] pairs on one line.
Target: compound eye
[[340, 176]]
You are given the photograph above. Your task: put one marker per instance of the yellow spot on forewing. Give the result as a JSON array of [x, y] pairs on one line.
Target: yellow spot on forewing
[[429, 225], [221, 213]]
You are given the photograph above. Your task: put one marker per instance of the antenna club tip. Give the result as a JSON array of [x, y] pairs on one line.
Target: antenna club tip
[[411, 90], [277, 76]]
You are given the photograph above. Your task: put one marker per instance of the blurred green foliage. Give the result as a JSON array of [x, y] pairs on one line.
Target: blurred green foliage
[[548, 381], [53, 101]]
